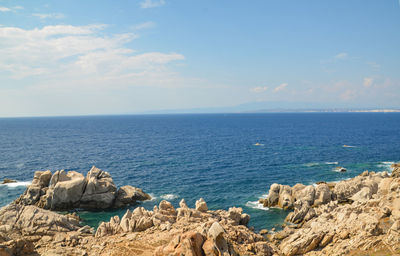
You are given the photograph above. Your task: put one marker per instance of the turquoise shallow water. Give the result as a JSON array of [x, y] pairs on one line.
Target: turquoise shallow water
[[211, 156]]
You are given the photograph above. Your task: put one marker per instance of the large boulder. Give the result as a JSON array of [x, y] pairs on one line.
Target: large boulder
[[100, 190], [323, 195], [42, 178], [128, 195], [189, 243], [273, 195], [307, 194], [201, 205], [65, 191]]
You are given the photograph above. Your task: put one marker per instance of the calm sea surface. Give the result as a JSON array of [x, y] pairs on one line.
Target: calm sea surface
[[228, 159]]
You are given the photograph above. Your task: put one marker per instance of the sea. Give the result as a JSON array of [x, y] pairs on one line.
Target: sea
[[227, 159]]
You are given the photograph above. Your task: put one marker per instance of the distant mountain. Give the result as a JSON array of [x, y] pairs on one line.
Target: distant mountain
[[278, 107]]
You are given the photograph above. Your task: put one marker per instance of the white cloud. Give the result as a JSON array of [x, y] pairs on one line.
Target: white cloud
[[49, 15], [18, 7], [280, 87], [151, 3], [82, 54], [144, 25], [368, 81], [259, 89], [341, 56], [4, 9]]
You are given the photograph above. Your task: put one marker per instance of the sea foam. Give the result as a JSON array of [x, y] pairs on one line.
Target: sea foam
[[17, 184], [169, 196], [256, 205]]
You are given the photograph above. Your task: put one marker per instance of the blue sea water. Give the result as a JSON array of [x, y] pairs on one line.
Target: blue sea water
[[228, 159]]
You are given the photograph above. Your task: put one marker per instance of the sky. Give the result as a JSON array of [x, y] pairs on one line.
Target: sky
[[69, 57]]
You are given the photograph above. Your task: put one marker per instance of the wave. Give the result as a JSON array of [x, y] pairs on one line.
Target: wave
[[385, 164], [311, 164], [331, 162], [337, 169], [256, 205], [17, 184], [153, 197], [169, 196]]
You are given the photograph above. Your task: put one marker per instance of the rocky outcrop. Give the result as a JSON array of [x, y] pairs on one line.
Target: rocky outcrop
[[362, 186], [68, 190], [22, 228], [193, 231], [359, 216], [285, 197], [363, 219], [30, 230]]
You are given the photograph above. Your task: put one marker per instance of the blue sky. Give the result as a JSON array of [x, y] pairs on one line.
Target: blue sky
[[117, 57]]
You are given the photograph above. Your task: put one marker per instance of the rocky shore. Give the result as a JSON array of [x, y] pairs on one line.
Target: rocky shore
[[359, 216], [69, 190]]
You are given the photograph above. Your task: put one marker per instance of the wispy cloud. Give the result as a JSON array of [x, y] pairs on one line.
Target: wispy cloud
[[341, 56], [144, 25], [373, 65], [9, 9], [4, 9], [368, 81], [49, 15], [259, 89], [280, 87], [151, 3]]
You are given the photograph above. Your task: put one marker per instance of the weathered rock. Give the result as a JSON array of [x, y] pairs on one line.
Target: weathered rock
[[340, 169], [65, 192], [307, 194], [215, 231], [323, 194], [128, 195], [273, 195], [301, 209], [35, 221], [42, 178], [69, 190], [201, 205], [189, 244], [396, 171], [285, 197], [100, 190], [6, 181]]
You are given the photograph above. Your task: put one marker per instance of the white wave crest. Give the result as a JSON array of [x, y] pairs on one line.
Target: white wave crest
[[17, 184], [153, 197], [331, 162], [337, 169], [311, 164], [385, 164], [256, 205], [169, 196]]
